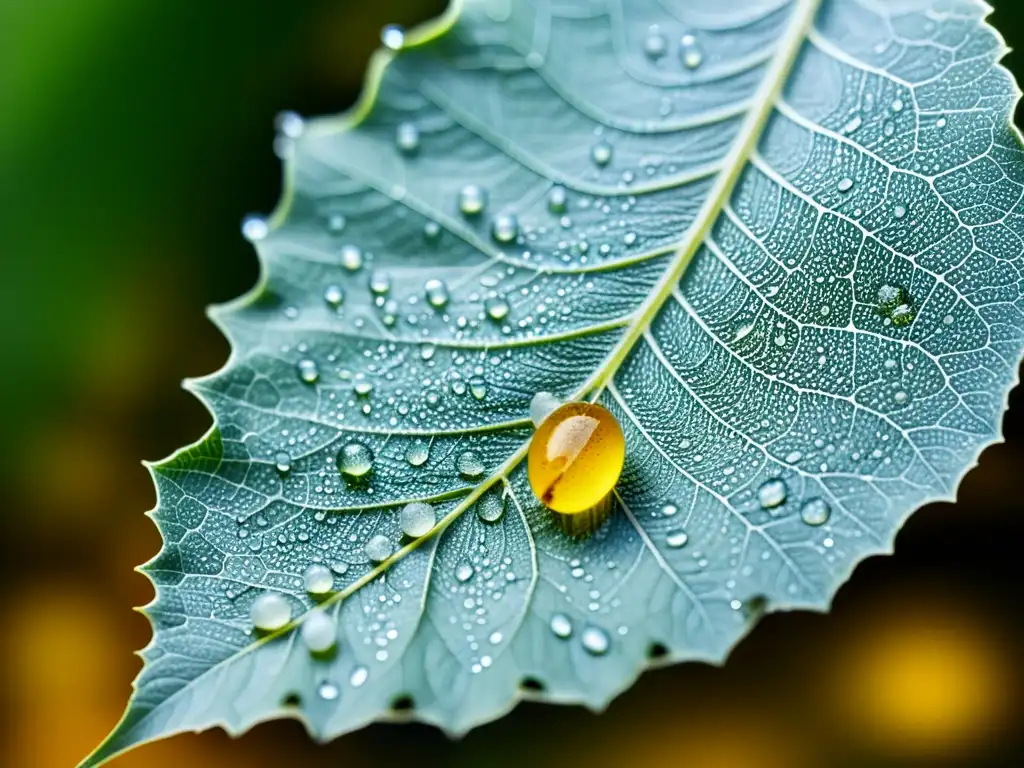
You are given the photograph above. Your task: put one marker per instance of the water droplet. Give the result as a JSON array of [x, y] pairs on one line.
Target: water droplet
[[393, 36], [947, 320], [464, 572], [380, 282], [491, 506], [417, 454], [270, 611], [897, 105], [336, 223], [676, 539], [815, 512], [557, 199], [902, 315], [308, 371], [418, 519], [283, 462], [900, 397], [358, 676], [469, 465], [505, 228], [601, 153], [595, 641], [852, 125], [561, 625], [327, 691], [690, 53], [289, 124], [318, 579], [355, 460], [669, 509], [478, 388], [889, 296], [362, 387], [378, 548], [351, 257], [334, 295], [541, 405], [472, 200], [940, 123], [407, 137], [319, 631], [845, 184], [340, 567], [431, 231], [899, 211], [254, 228], [655, 44], [772, 493], [437, 294], [496, 308]]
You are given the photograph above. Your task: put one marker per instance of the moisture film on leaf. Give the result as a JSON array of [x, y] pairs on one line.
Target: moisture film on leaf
[[778, 240]]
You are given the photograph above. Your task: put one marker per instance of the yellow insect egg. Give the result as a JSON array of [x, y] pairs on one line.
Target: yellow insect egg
[[575, 459]]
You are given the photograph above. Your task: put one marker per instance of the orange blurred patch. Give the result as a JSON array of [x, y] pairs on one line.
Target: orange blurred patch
[[929, 681]]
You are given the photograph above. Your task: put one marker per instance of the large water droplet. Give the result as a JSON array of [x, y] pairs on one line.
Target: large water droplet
[[815, 512], [595, 641], [561, 625], [393, 36], [308, 371], [505, 228], [601, 153], [557, 199], [378, 548], [469, 464], [334, 296], [254, 228], [472, 200], [541, 405], [437, 293], [496, 308], [351, 257], [318, 579], [676, 539], [772, 493], [407, 138], [491, 506], [418, 519], [417, 454], [319, 631], [355, 460], [270, 611], [283, 462]]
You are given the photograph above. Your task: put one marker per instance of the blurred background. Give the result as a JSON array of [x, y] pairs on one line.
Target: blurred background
[[134, 137]]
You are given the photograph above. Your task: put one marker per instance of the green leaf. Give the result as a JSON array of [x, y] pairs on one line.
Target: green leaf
[[789, 263]]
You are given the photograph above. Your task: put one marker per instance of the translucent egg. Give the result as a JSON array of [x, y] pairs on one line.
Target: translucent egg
[[575, 459]]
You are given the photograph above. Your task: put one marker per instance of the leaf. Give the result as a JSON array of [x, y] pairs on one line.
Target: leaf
[[789, 263]]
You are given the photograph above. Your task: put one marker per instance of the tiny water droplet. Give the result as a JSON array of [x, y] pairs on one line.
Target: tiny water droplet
[[437, 294], [418, 519], [318, 579], [772, 493], [815, 512], [902, 315], [601, 153], [393, 36], [472, 200], [690, 53], [355, 460], [676, 539], [478, 388], [469, 464], [327, 691], [270, 611], [358, 676], [334, 295], [407, 138], [378, 548], [669, 509], [340, 567], [464, 572], [283, 462], [254, 228], [380, 282], [557, 199], [491, 506], [308, 371], [561, 625], [336, 223], [431, 231], [417, 454], [319, 631], [351, 257], [899, 211], [362, 387], [845, 184], [889, 296], [655, 44], [505, 228], [289, 124], [595, 641], [496, 308]]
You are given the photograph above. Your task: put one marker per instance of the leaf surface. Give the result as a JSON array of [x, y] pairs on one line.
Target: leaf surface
[[780, 240]]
